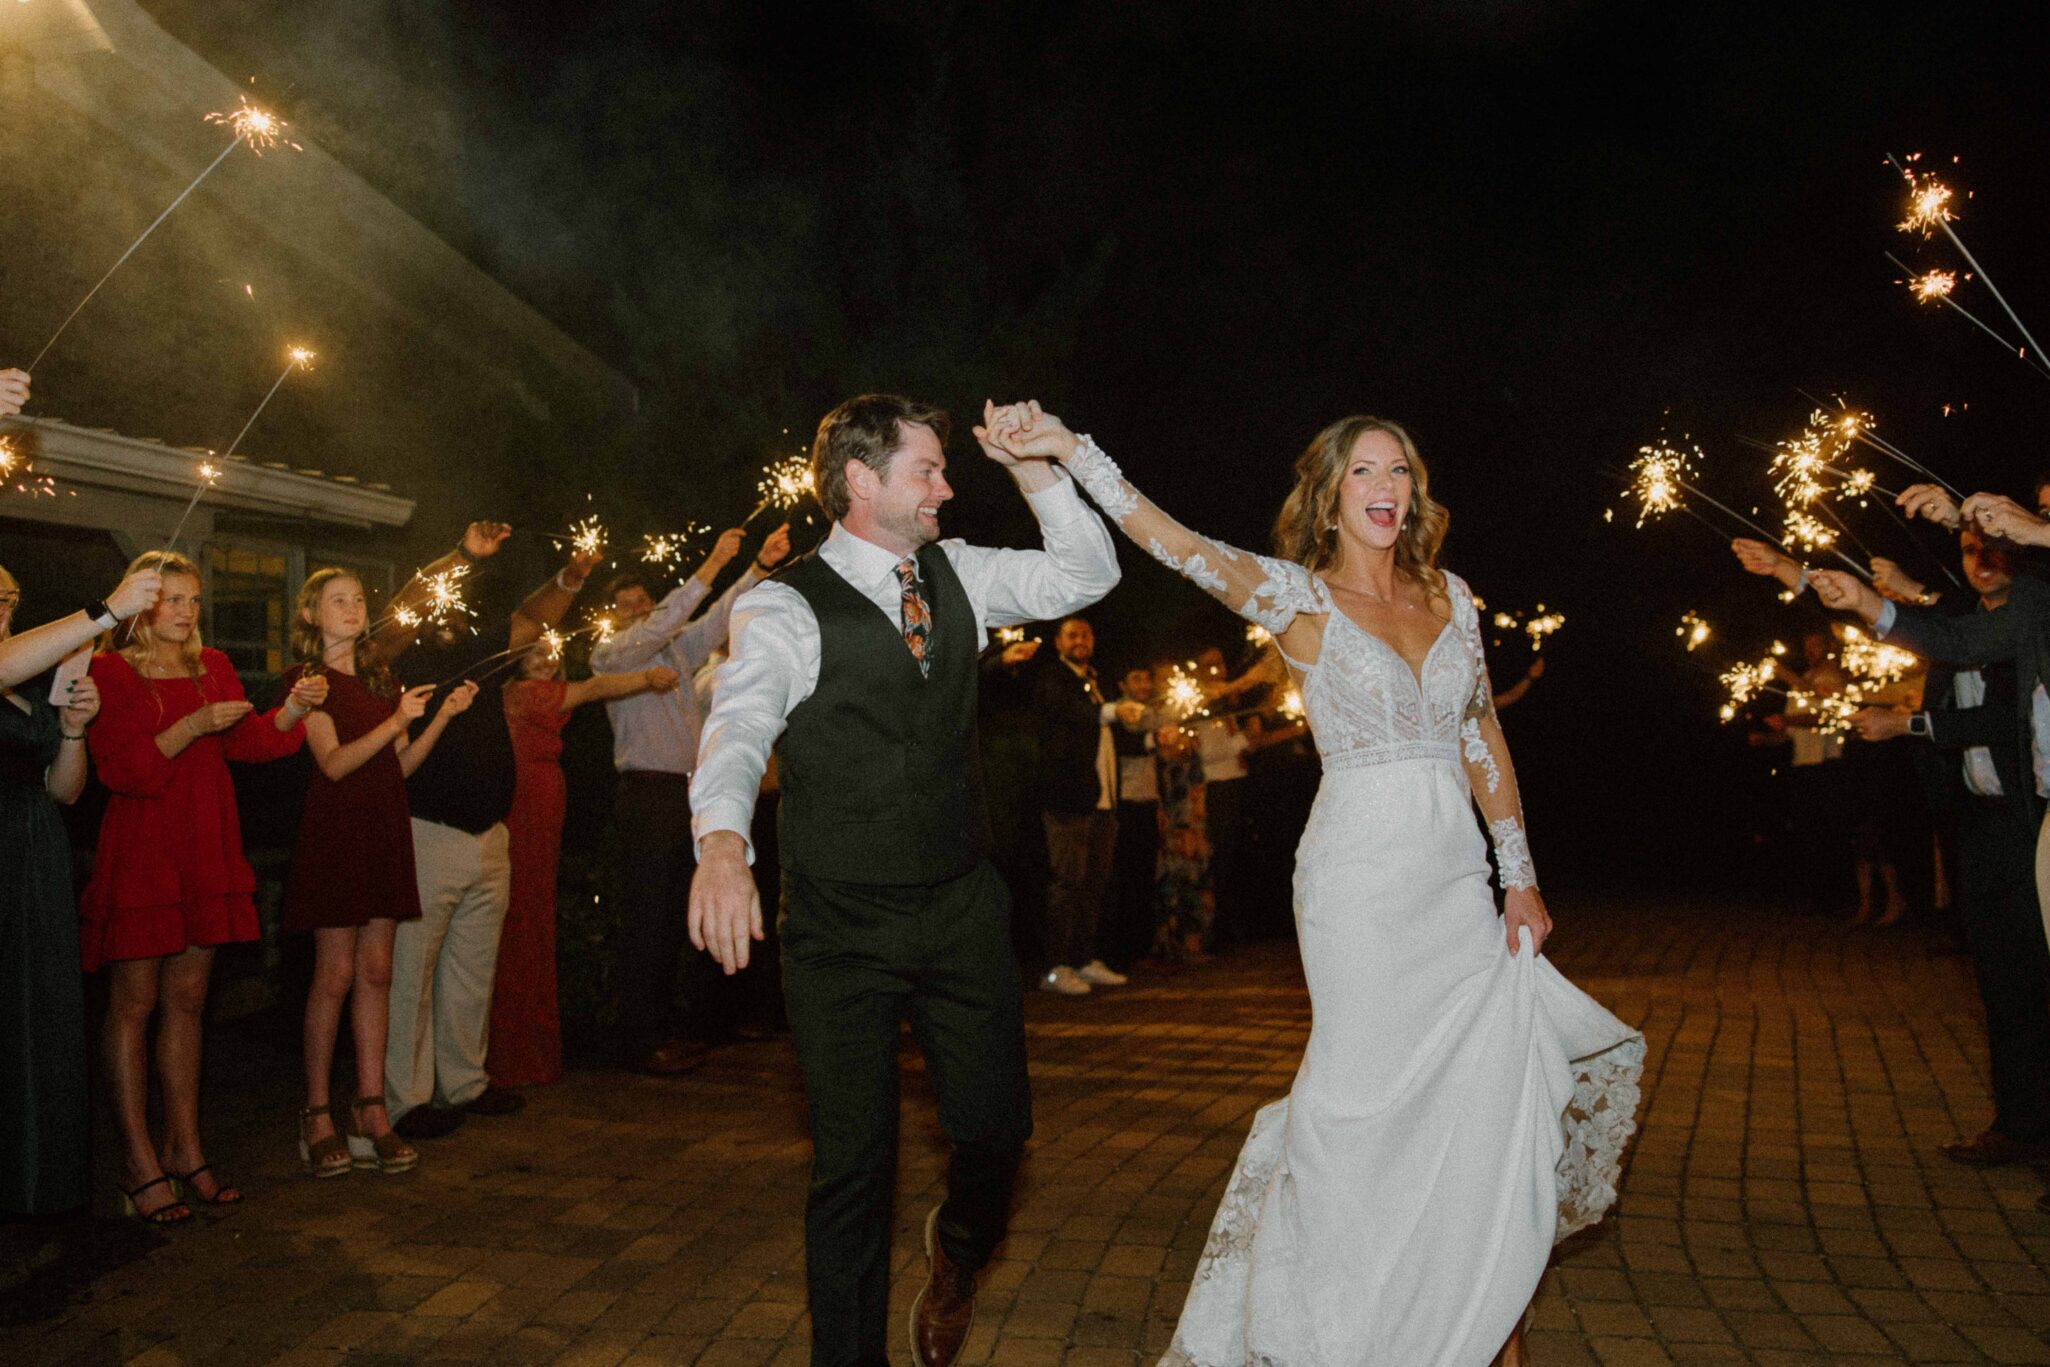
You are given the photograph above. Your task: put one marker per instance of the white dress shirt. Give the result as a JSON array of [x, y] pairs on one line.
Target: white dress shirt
[[775, 637], [1968, 689], [658, 732]]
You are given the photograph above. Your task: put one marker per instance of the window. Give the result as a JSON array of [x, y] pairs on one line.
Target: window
[[249, 599]]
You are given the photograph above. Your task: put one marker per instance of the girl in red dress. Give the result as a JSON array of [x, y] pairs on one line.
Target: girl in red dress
[[352, 880], [526, 1032], [169, 881]]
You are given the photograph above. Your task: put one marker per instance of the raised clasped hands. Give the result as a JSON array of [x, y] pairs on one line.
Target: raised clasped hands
[[1023, 431]]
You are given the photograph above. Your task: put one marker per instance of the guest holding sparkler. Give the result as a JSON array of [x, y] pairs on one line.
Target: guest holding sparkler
[[169, 881], [44, 1113], [1127, 935], [1968, 717], [655, 748], [526, 1029], [31, 652], [352, 879], [443, 964], [1184, 898]]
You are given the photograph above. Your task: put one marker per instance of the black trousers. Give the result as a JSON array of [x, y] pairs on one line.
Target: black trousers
[[1224, 816], [2004, 927], [1127, 932], [857, 961], [656, 860]]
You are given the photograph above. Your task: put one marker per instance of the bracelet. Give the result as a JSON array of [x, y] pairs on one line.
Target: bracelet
[[102, 613], [1801, 584], [68, 736], [464, 552], [567, 588]]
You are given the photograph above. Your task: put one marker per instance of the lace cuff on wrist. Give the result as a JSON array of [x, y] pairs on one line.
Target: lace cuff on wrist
[[1099, 474], [1512, 853]]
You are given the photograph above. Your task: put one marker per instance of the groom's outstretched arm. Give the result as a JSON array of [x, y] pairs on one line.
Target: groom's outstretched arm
[[1075, 566]]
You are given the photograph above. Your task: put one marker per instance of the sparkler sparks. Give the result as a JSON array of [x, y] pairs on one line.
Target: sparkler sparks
[[1875, 662], [209, 475], [260, 128], [784, 484], [1657, 477], [1542, 625], [10, 458], [587, 537], [1291, 705], [1746, 681], [1808, 532], [1693, 630], [1933, 287], [1260, 636], [1183, 693]]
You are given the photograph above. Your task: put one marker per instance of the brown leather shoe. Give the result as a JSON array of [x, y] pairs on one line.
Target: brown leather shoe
[[945, 1309], [1993, 1149], [677, 1056]]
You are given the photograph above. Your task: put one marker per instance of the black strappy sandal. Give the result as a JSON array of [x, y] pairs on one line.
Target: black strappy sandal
[[174, 1212], [220, 1196]]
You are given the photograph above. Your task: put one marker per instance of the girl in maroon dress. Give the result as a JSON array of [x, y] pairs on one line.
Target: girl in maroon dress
[[526, 1033], [169, 881], [352, 880]]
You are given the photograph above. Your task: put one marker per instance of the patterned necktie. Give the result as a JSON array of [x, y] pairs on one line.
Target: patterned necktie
[[917, 616]]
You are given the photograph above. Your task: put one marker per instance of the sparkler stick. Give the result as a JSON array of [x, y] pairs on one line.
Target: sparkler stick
[[1934, 287], [550, 639], [254, 126], [1928, 210], [208, 474], [295, 358]]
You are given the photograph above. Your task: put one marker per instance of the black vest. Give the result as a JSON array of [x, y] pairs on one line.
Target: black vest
[[880, 771]]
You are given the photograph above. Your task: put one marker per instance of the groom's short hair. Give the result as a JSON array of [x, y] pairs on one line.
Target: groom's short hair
[[865, 429]]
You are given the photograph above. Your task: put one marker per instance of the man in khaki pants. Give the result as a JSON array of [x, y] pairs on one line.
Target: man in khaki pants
[[444, 963]]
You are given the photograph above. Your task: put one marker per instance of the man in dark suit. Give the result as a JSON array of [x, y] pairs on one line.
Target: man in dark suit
[[1078, 794]]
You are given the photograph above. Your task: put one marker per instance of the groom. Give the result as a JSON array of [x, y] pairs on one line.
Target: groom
[[857, 664]]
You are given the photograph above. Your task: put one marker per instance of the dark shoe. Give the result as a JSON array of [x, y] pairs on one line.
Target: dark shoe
[[1993, 1149], [677, 1056], [945, 1308], [496, 1101], [428, 1122]]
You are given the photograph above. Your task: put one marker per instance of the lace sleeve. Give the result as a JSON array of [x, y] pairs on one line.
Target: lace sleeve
[[1258, 588], [1486, 751]]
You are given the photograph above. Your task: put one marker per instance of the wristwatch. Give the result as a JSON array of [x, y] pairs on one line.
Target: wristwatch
[[104, 617], [1918, 724]]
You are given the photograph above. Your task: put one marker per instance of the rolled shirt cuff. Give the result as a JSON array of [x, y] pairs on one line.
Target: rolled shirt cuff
[[1059, 503], [1889, 613]]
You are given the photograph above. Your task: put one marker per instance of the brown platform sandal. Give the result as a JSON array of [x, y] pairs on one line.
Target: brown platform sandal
[[328, 1157], [386, 1152]]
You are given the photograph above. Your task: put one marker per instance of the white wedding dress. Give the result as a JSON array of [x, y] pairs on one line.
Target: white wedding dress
[[1458, 1109]]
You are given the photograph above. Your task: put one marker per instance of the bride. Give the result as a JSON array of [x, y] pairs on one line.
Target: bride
[[1460, 1106]]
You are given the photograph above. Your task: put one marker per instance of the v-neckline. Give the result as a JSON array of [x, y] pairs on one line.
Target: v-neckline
[[1416, 671]]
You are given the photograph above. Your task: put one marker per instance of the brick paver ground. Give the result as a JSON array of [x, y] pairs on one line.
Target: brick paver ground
[[1783, 1204]]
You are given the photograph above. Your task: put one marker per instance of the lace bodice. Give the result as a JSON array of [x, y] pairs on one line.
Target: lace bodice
[[1364, 704]]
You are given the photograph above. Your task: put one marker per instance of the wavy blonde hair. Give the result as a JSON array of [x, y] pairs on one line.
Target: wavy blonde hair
[[7, 581], [306, 642], [1307, 529], [134, 639]]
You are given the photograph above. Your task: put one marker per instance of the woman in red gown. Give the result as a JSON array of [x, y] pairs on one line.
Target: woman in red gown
[[526, 1032], [169, 882], [352, 866]]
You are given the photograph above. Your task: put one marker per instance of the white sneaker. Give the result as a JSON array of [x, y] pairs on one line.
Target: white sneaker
[[1064, 980], [1101, 974]]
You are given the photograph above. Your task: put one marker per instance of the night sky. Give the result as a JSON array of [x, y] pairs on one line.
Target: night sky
[[1534, 233]]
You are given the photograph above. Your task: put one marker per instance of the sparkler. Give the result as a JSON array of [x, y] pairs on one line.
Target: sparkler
[[296, 358], [1291, 705], [550, 640], [1538, 626], [209, 475], [586, 536], [1659, 478], [1183, 694], [256, 127], [666, 548], [1876, 662], [1693, 630], [1258, 635], [1928, 213], [784, 484], [1936, 287]]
